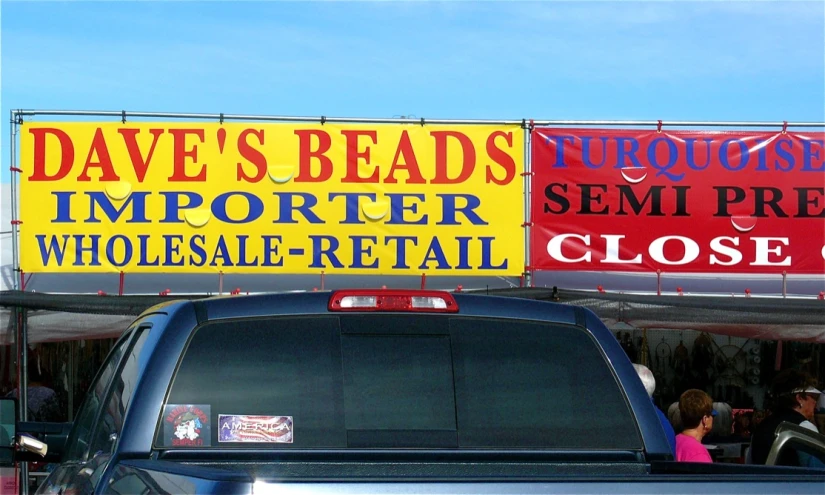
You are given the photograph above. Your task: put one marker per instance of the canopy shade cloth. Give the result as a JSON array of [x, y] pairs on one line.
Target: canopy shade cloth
[[56, 317]]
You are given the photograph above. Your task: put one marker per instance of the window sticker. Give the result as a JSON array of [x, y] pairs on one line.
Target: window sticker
[[186, 425], [254, 429]]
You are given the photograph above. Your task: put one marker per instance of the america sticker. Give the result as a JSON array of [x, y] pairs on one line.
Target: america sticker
[[254, 429], [186, 425]]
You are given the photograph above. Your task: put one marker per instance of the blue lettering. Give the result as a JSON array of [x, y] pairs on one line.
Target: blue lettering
[[621, 153], [198, 249], [784, 153], [559, 140], [54, 247], [136, 199], [271, 243], [255, 207], [64, 209], [173, 206], [351, 202], [287, 207], [242, 252], [487, 254], [762, 153], [808, 152], [359, 250], [673, 155], [691, 160], [397, 208], [172, 250], [319, 251], [127, 250], [79, 249], [143, 241], [450, 209], [463, 253], [222, 252], [400, 248], [586, 152], [435, 253], [744, 154]]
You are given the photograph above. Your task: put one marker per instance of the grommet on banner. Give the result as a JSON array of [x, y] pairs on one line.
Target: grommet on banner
[[659, 126], [785, 127], [123, 116], [323, 119]]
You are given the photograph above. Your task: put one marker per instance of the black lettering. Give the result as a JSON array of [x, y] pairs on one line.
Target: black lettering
[[588, 198], [556, 198], [654, 194]]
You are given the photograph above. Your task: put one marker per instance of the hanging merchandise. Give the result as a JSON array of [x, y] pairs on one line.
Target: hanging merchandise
[[702, 361]]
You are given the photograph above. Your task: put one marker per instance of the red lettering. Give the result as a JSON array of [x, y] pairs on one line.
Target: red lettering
[[66, 154], [253, 156], [180, 154], [306, 154], [353, 155], [500, 157], [139, 165], [104, 161], [405, 150], [441, 160]]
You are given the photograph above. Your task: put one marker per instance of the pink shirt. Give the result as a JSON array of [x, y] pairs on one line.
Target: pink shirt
[[688, 449]]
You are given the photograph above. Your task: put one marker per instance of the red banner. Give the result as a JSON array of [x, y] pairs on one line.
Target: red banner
[[680, 201]]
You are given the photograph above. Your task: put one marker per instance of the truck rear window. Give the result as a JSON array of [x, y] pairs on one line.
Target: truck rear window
[[394, 381]]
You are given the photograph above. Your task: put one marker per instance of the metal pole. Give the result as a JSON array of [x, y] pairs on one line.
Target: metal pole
[[71, 380], [23, 387], [402, 120], [276, 118], [784, 283], [12, 149], [528, 165]]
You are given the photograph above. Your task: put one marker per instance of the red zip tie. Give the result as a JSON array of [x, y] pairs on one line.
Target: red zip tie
[[659, 126], [16, 169], [423, 281], [785, 127], [16, 222], [525, 174], [120, 286], [532, 123], [527, 224], [164, 292], [22, 280]]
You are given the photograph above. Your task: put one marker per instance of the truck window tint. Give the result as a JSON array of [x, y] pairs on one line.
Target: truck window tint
[[111, 420], [398, 382], [79, 439], [524, 384], [288, 366]]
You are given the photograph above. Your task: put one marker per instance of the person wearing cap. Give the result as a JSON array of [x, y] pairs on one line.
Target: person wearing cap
[[696, 411], [794, 400], [649, 381]]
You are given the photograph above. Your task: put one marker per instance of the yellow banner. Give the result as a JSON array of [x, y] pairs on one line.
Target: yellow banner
[[272, 198]]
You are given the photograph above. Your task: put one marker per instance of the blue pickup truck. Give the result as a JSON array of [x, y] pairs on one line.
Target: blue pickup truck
[[377, 391]]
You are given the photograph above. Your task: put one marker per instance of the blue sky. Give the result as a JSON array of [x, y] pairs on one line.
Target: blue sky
[[545, 60]]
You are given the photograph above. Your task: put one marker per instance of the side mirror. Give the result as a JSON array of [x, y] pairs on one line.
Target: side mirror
[[10, 441]]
